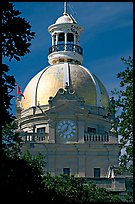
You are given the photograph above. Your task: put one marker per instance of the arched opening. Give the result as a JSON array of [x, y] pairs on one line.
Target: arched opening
[[61, 38], [70, 38]]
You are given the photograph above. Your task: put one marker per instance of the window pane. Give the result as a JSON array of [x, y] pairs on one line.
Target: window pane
[[70, 37], [96, 172], [41, 130], [66, 171], [61, 37], [91, 130]]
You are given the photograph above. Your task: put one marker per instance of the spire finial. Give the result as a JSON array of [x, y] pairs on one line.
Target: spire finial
[[65, 8]]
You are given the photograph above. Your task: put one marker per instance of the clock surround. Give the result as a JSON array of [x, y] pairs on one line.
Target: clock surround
[[66, 130]]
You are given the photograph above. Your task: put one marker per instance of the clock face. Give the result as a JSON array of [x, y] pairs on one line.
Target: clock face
[[66, 129]]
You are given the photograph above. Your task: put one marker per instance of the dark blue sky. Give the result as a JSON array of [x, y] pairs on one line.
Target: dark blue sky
[[107, 36]]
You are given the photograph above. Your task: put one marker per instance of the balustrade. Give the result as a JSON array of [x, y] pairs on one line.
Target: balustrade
[[44, 137], [36, 137], [96, 137], [66, 47]]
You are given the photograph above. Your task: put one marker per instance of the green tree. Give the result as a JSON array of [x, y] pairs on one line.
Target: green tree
[[21, 177], [16, 33], [11, 140], [16, 39], [122, 101], [68, 189], [20, 174]]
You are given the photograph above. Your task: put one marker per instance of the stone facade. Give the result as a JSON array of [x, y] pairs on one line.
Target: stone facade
[[93, 144]]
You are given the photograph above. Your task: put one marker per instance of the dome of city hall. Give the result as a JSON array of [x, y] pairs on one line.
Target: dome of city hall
[[48, 81]]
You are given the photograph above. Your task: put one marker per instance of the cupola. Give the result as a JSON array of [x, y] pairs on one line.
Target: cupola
[[65, 40]]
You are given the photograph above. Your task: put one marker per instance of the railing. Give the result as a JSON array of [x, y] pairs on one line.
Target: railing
[[35, 137], [96, 137], [44, 137], [66, 47]]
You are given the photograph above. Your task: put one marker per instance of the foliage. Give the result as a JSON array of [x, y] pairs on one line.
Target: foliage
[[129, 190], [69, 189], [8, 84], [16, 34], [36, 162], [123, 103], [11, 140], [21, 176], [16, 37]]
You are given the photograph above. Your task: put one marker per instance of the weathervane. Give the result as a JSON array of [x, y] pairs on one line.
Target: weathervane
[[65, 8]]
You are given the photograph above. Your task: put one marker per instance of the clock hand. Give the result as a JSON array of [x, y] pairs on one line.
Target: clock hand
[[66, 128]]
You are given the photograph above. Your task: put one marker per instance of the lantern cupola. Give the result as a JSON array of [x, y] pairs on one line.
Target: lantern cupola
[[65, 40]]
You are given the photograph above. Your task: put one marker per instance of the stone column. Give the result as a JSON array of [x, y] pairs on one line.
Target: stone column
[[18, 108], [56, 38], [65, 42], [80, 131], [51, 131], [75, 40], [52, 40]]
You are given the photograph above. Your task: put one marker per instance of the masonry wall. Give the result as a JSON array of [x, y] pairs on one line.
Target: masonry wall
[[80, 158]]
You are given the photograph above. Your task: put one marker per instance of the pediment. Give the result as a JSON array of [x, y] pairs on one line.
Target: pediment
[[67, 108], [66, 102]]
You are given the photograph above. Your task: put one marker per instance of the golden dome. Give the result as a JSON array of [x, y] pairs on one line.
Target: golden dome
[[48, 81]]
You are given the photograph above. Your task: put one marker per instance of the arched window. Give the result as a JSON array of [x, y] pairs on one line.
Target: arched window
[[61, 37], [70, 38]]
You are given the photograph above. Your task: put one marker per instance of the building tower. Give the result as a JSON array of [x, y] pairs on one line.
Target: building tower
[[65, 111]]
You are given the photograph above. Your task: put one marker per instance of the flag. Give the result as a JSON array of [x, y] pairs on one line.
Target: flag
[[19, 91]]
